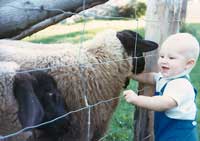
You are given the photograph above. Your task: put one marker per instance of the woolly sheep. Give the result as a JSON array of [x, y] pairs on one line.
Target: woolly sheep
[[37, 98], [39, 101], [9, 120], [100, 76]]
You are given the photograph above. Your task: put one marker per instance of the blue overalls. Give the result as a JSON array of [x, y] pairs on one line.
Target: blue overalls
[[168, 129]]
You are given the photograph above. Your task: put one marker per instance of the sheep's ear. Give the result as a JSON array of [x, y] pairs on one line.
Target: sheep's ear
[[126, 40], [129, 39], [30, 110], [146, 45]]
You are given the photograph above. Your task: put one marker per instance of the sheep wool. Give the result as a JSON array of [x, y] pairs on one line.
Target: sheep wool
[[96, 70], [8, 118]]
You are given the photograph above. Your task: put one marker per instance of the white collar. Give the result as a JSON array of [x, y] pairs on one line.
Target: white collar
[[185, 73]]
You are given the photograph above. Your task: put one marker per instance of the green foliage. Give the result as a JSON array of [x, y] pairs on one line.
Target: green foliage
[[192, 28], [140, 9], [121, 125], [73, 37], [196, 81], [134, 11]]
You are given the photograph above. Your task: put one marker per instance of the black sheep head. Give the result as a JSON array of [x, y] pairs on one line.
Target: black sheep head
[[30, 111], [39, 101], [52, 102], [134, 46]]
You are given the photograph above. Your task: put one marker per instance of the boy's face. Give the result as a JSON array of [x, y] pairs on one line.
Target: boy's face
[[172, 61]]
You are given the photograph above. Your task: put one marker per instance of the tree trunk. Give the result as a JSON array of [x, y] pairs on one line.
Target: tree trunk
[[163, 18], [18, 15], [184, 11]]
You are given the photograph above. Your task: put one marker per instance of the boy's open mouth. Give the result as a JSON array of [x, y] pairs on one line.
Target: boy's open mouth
[[165, 68]]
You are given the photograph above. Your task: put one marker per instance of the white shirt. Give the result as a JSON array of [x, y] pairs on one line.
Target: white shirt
[[182, 91]]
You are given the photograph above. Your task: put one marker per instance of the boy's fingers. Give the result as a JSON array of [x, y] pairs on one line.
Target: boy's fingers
[[125, 93]]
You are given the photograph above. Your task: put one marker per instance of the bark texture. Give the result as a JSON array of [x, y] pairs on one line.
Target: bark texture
[[19, 15]]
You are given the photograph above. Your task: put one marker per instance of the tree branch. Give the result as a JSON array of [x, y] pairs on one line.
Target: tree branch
[[41, 25], [17, 16]]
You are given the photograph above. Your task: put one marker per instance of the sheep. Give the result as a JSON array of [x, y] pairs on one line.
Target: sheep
[[9, 120], [39, 101], [97, 70], [36, 100]]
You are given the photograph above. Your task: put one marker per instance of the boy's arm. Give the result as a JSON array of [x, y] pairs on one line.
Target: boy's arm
[[155, 103], [147, 78]]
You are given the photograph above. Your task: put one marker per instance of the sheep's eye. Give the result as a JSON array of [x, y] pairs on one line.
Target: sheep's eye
[[50, 94]]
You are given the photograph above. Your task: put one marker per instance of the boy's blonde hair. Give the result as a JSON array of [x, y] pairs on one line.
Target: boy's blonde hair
[[187, 42]]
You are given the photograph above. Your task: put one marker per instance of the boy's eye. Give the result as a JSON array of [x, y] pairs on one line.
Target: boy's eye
[[172, 58], [161, 56]]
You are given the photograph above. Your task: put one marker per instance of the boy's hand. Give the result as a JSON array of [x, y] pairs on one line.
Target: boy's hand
[[130, 96]]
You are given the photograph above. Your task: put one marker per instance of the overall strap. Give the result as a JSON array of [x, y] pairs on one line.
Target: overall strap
[[184, 76], [166, 128]]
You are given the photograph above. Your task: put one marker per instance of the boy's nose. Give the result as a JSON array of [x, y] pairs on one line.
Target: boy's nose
[[163, 60]]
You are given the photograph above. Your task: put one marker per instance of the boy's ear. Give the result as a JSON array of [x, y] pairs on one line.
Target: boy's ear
[[190, 63]]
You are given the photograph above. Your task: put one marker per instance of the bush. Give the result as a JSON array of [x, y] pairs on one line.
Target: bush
[[192, 29], [133, 11]]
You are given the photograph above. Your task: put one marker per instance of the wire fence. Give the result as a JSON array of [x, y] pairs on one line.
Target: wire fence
[[82, 67]]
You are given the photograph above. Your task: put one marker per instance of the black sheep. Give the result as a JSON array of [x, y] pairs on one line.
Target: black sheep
[[39, 101]]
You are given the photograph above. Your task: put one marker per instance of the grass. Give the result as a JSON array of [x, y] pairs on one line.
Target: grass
[[121, 124], [196, 82], [73, 33]]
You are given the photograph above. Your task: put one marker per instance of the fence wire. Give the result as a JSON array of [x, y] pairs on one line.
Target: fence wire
[[84, 66]]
